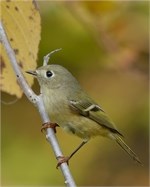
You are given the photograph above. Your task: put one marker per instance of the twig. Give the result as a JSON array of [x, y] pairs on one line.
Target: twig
[[47, 57], [38, 102]]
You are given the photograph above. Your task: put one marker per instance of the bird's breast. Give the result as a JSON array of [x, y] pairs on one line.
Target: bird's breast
[[59, 111], [56, 106]]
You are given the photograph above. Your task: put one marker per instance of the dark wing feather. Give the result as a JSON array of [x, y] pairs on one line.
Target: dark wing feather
[[95, 113]]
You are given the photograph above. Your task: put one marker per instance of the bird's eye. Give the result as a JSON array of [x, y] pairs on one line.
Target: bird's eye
[[49, 74]]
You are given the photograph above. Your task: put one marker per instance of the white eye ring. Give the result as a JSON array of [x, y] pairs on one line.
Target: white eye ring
[[49, 74]]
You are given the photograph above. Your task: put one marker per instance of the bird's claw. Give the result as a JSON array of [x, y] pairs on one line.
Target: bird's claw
[[49, 125], [62, 159]]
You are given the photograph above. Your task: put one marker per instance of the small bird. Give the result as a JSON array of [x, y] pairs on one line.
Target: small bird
[[69, 106]]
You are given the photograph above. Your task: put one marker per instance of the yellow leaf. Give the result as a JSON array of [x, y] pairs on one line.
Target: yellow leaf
[[21, 20]]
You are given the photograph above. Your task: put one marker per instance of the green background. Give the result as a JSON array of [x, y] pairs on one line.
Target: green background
[[105, 45]]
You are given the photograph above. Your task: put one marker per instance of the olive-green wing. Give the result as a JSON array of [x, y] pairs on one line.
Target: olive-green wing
[[93, 112]]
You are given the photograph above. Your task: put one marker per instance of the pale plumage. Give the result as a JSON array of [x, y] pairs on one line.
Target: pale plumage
[[71, 108]]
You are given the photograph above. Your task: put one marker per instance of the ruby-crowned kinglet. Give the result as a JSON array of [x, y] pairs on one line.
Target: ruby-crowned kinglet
[[71, 108]]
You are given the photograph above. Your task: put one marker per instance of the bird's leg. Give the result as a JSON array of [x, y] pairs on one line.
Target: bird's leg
[[49, 125], [62, 159]]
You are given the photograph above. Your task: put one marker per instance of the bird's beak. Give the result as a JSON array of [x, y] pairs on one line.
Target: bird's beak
[[34, 73]]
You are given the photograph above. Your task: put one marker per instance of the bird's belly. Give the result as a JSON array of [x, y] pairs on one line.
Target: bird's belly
[[73, 122], [79, 125]]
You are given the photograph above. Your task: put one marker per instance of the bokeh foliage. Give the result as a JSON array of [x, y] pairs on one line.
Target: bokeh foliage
[[105, 45]]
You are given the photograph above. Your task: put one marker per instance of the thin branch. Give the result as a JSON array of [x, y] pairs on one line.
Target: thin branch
[[38, 102], [47, 57]]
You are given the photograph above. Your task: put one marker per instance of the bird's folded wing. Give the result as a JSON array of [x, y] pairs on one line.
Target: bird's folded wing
[[93, 112]]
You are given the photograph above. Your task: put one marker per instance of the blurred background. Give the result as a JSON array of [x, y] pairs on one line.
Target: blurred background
[[105, 45]]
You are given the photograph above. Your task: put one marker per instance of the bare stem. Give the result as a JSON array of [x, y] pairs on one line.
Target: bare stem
[[38, 102], [47, 57]]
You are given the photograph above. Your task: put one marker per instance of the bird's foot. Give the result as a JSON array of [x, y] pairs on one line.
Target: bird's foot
[[62, 159], [49, 125]]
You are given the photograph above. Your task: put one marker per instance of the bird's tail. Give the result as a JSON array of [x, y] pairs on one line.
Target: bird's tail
[[127, 148]]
